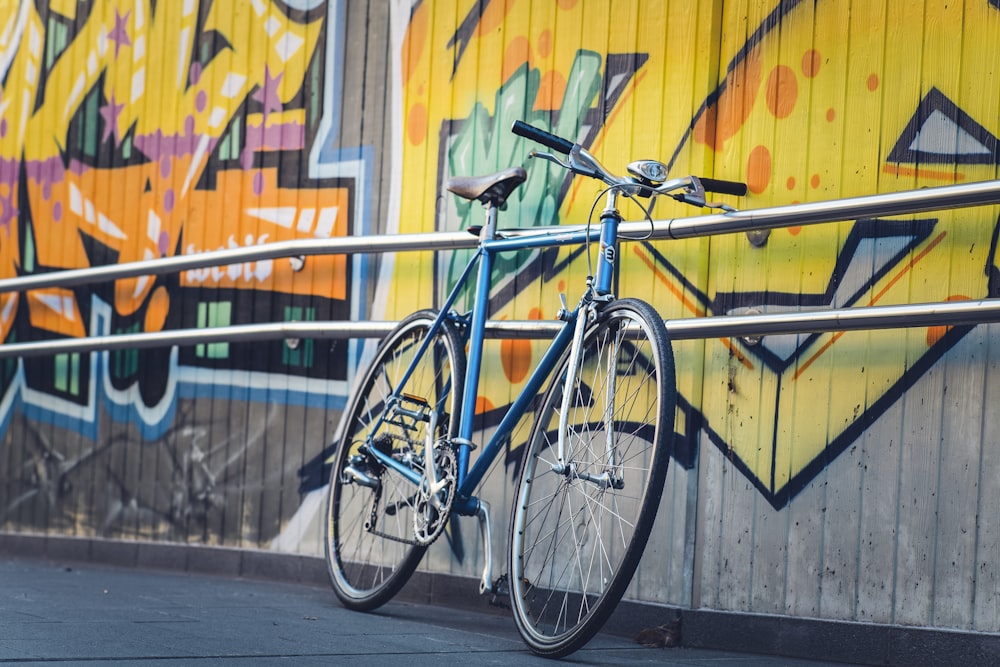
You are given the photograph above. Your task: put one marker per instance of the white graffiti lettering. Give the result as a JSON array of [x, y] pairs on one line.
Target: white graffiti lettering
[[247, 272]]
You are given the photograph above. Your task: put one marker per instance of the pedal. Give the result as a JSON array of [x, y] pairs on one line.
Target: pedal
[[409, 407], [501, 593]]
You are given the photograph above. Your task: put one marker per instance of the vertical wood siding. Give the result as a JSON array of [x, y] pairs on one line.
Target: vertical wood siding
[[842, 475]]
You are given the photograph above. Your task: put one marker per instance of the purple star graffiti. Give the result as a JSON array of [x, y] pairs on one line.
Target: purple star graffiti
[[8, 211], [119, 34], [267, 94], [110, 113]]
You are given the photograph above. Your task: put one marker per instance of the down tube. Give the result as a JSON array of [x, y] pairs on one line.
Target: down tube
[[517, 409]]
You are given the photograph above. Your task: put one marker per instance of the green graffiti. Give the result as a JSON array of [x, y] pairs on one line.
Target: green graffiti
[[484, 144]]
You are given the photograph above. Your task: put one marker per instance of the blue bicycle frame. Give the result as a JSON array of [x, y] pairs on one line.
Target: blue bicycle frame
[[489, 246]]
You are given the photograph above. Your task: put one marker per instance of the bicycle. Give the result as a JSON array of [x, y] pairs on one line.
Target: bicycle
[[596, 457]]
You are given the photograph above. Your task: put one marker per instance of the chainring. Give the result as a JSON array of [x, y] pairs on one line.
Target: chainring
[[431, 510]]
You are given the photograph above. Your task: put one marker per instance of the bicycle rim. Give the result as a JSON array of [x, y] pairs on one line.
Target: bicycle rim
[[577, 535], [368, 564]]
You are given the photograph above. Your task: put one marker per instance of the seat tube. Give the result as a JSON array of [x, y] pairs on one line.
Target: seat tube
[[477, 334], [608, 251]]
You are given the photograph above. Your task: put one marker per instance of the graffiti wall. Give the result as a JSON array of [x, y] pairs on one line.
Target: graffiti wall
[[132, 131], [839, 475]]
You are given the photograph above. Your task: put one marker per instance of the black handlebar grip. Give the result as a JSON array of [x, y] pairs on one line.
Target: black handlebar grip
[[724, 187], [557, 144]]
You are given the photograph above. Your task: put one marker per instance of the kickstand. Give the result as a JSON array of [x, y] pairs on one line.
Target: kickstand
[[485, 531]]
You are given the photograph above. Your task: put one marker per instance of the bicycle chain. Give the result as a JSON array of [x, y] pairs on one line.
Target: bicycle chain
[[377, 496], [394, 538], [373, 521]]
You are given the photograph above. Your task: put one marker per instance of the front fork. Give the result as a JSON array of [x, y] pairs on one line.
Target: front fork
[[564, 464], [598, 294], [585, 312]]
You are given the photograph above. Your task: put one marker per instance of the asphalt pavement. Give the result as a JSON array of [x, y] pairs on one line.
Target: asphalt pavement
[[86, 614]]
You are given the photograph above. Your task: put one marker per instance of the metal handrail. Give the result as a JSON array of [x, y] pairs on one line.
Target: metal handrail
[[964, 195], [895, 203], [955, 313], [814, 321]]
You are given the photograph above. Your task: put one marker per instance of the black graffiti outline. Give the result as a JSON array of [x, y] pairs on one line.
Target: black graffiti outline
[[937, 102]]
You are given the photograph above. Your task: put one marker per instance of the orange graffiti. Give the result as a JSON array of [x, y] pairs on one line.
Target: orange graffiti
[[518, 52], [723, 120], [811, 61], [413, 42], [416, 124], [759, 169], [934, 334], [515, 356], [936, 174], [483, 404], [782, 91], [551, 90], [493, 17], [545, 44]]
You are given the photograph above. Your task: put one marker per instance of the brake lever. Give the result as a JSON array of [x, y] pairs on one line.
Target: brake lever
[[580, 162], [722, 207], [695, 200], [550, 157], [695, 196]]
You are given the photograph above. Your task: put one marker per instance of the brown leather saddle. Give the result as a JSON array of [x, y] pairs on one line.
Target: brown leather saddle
[[492, 189]]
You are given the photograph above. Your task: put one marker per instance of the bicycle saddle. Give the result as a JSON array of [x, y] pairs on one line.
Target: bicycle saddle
[[490, 189]]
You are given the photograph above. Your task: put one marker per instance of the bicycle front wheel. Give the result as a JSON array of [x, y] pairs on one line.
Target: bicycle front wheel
[[370, 547], [579, 525]]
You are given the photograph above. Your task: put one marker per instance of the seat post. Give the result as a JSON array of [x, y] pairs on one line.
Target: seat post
[[489, 230]]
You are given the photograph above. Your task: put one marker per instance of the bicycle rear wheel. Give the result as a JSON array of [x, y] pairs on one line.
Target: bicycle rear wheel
[[369, 540], [578, 528]]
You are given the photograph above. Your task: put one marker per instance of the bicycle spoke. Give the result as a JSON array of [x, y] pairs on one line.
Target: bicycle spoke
[[577, 534], [369, 542]]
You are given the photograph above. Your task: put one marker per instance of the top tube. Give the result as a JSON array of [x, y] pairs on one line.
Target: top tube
[[527, 241]]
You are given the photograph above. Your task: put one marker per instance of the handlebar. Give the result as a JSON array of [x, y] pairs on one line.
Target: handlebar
[[647, 176], [558, 144], [734, 188]]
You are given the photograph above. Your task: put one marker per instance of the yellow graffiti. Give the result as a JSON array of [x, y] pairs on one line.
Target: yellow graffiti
[[815, 116], [804, 102], [455, 64], [166, 86]]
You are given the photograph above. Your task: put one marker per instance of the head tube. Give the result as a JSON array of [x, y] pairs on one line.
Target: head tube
[[607, 254]]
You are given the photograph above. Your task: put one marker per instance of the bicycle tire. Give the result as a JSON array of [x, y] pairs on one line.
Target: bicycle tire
[[368, 567], [576, 542]]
